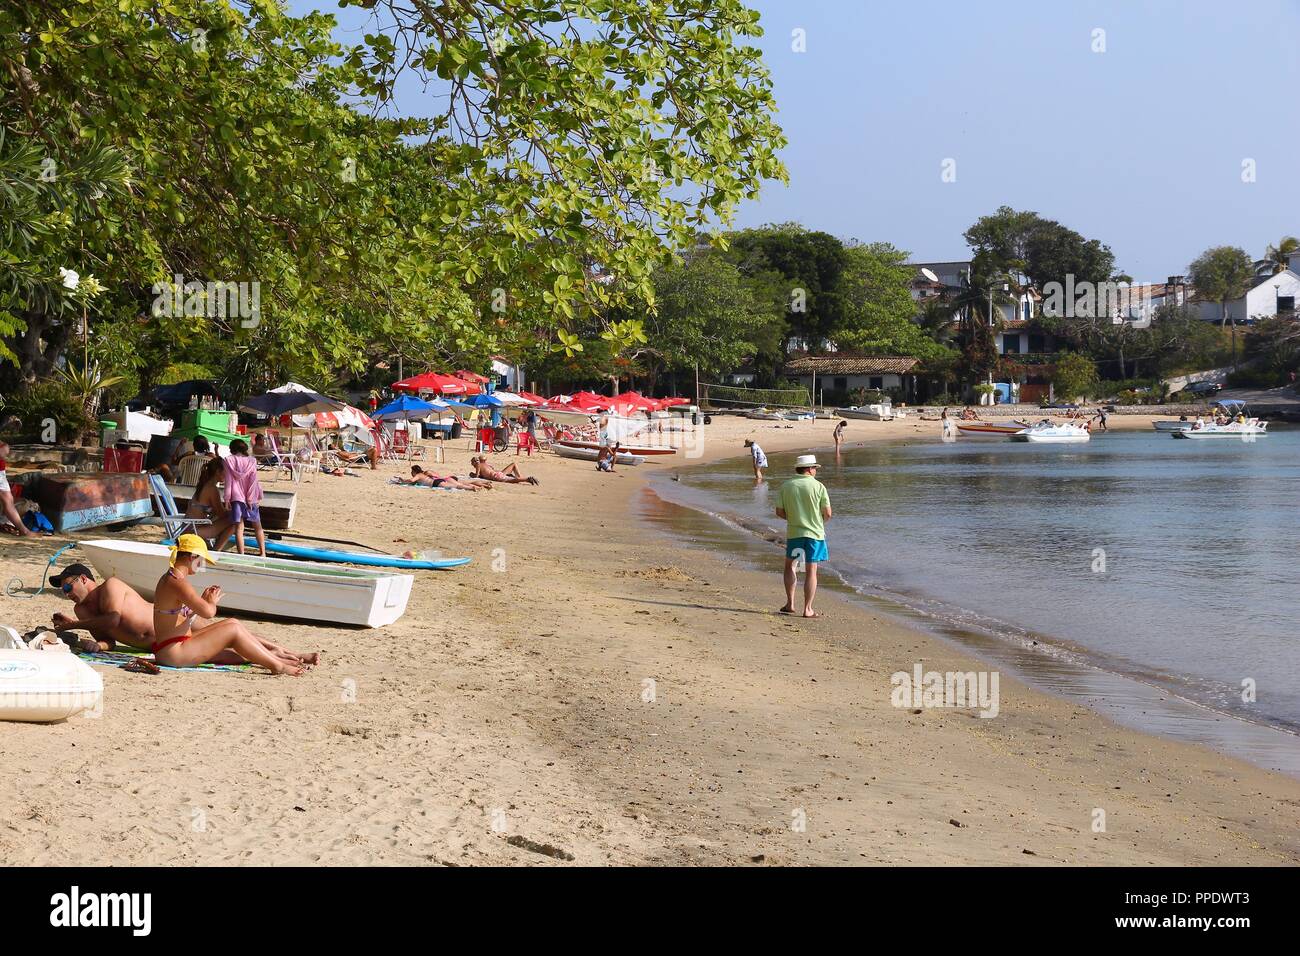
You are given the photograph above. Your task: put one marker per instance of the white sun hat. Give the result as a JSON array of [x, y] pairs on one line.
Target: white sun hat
[[805, 461]]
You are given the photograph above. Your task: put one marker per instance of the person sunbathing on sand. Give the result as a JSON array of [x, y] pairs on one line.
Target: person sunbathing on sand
[[480, 468], [111, 611], [428, 479], [177, 643]]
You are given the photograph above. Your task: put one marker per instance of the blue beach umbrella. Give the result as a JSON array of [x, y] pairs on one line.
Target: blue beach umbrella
[[406, 408]]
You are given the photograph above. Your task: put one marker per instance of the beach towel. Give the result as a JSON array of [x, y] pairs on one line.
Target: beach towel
[[122, 658], [403, 484]]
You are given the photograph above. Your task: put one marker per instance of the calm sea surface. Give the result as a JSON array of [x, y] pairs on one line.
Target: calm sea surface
[[1174, 563]]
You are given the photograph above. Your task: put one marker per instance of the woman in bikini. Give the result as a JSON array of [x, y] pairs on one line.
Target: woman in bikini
[[178, 643], [207, 504], [429, 480]]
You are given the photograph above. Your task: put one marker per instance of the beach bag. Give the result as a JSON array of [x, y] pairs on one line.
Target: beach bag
[[36, 521]]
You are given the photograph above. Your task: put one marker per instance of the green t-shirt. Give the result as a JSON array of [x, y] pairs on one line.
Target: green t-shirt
[[802, 499]]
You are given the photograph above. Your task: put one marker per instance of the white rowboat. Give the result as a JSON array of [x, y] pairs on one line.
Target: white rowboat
[[590, 454], [629, 449], [274, 587]]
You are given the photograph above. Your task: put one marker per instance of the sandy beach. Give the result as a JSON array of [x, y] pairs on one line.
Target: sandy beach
[[589, 690]]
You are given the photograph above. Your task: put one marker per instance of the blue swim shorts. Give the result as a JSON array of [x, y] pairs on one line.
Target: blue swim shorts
[[810, 549]]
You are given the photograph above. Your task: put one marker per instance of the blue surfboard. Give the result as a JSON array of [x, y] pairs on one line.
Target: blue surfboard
[[355, 557]]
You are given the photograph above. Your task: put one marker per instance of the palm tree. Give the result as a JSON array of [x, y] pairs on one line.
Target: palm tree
[[1277, 258]]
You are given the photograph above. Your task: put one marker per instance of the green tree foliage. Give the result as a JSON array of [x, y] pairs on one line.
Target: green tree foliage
[[1274, 344], [708, 315], [1277, 257], [1075, 376], [568, 143], [1221, 274], [809, 266], [1042, 250], [878, 309]]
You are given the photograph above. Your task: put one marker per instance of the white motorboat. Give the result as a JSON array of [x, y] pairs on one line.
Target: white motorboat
[[591, 454], [1047, 432], [272, 587], [879, 412], [1240, 424], [1251, 428]]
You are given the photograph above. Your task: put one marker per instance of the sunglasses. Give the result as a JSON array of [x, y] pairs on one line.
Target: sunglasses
[[67, 588]]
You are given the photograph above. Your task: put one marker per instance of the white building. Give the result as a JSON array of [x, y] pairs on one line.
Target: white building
[[949, 278], [1269, 296], [842, 373]]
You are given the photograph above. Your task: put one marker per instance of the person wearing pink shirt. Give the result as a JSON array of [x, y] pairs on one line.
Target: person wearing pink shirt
[[244, 494]]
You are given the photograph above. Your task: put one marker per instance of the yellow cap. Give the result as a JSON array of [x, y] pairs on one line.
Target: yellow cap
[[192, 544]]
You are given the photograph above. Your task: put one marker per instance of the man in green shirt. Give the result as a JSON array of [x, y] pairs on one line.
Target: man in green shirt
[[806, 507]]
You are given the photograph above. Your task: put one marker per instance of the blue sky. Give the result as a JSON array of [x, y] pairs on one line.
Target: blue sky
[[1140, 146]]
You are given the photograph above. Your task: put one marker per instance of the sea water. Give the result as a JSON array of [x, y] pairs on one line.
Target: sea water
[[1171, 562]]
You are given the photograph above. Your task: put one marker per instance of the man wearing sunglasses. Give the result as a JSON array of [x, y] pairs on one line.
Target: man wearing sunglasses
[[111, 611]]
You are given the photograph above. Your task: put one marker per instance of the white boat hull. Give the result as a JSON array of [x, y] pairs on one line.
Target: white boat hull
[[1053, 435], [646, 450], [273, 587], [591, 454], [989, 429], [871, 413], [1226, 431]]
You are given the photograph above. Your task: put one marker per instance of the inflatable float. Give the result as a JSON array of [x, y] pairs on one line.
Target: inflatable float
[[44, 686]]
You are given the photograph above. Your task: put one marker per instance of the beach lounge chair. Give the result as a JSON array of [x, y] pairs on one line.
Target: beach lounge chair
[[169, 516], [187, 472]]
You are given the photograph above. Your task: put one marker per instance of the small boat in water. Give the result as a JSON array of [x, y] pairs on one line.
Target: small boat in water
[[978, 429], [591, 454], [1240, 424], [271, 587], [1047, 432], [1172, 426]]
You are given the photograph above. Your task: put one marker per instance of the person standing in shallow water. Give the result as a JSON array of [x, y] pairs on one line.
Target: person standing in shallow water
[[805, 505], [760, 458]]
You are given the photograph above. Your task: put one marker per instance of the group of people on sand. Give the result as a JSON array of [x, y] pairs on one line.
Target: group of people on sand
[[113, 613], [481, 477]]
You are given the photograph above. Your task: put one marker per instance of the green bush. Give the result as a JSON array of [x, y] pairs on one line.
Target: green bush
[[47, 400], [1075, 377], [1256, 378]]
